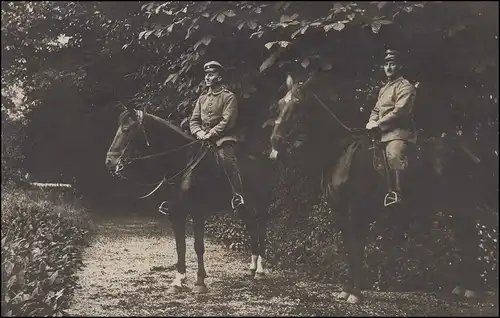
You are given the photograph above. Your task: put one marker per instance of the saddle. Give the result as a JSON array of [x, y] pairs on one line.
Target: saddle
[[380, 161]]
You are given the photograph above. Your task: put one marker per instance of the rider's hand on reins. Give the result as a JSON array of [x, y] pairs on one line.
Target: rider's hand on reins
[[375, 133]]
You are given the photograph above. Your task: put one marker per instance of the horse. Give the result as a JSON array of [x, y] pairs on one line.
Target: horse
[[353, 185], [209, 193]]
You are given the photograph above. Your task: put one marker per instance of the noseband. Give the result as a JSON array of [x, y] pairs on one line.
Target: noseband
[[122, 160]]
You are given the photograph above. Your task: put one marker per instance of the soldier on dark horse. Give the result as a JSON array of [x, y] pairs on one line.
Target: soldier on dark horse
[[211, 172], [353, 181]]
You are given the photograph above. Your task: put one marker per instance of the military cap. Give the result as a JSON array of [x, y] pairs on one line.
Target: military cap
[[213, 65], [392, 55]]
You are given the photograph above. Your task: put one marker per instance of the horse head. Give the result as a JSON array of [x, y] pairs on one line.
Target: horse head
[[289, 115], [129, 123]]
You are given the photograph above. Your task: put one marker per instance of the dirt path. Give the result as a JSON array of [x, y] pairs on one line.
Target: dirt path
[[129, 268]]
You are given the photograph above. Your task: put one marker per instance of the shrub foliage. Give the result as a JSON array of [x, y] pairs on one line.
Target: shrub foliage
[[42, 243]]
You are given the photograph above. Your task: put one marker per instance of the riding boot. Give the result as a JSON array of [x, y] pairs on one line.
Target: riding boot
[[398, 185], [394, 196], [237, 187], [229, 163]]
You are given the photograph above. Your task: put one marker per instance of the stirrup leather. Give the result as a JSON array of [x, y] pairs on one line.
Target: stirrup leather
[[236, 201], [391, 198]]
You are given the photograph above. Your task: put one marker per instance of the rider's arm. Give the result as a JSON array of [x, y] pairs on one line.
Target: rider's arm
[[195, 122], [374, 114], [229, 114], [403, 106]]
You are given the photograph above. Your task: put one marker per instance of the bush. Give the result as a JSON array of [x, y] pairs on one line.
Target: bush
[[42, 243]]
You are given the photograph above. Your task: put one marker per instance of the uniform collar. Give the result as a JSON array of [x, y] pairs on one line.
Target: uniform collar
[[210, 92], [395, 80]]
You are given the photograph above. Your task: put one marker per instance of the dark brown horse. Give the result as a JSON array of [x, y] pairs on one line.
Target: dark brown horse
[[354, 188], [176, 151]]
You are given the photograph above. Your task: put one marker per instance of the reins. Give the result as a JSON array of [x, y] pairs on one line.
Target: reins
[[351, 130], [191, 165]]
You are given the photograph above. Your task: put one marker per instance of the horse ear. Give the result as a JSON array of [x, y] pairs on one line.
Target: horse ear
[[289, 81]]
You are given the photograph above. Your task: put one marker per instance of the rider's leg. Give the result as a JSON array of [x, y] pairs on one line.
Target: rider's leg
[[397, 159], [227, 154]]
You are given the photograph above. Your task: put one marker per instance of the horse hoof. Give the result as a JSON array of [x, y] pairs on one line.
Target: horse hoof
[[175, 290], [260, 276], [353, 299], [343, 295], [201, 289], [470, 294], [250, 273]]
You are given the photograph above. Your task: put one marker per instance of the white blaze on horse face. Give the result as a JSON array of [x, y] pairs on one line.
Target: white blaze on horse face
[[179, 280]]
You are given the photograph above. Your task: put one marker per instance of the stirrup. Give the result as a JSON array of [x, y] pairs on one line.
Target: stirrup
[[163, 209], [392, 198], [236, 201]]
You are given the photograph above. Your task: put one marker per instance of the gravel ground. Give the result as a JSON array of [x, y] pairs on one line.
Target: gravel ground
[[128, 269]]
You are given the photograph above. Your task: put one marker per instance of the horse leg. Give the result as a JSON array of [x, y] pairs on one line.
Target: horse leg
[[354, 233], [199, 247], [179, 225], [261, 225], [469, 270], [250, 222]]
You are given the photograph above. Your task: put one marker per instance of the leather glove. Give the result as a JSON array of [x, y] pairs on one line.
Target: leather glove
[[372, 125]]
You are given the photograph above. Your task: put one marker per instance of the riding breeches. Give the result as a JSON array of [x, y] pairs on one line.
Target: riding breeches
[[226, 155], [397, 154]]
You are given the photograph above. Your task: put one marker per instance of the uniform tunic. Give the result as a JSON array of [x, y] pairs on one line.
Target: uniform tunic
[[216, 112], [393, 113]]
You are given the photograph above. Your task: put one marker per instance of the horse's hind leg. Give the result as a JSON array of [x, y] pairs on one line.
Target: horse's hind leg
[[199, 247], [179, 224], [249, 219], [261, 221]]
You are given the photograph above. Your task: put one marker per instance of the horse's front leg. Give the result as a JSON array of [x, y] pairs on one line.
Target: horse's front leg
[[354, 230], [199, 247], [179, 224]]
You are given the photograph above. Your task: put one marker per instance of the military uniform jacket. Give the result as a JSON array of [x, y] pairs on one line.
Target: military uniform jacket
[[393, 111], [216, 112]]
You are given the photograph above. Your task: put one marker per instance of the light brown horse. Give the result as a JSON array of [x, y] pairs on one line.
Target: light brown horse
[[355, 190], [209, 192]]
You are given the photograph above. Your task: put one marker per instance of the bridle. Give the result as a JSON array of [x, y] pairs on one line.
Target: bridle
[[122, 160]]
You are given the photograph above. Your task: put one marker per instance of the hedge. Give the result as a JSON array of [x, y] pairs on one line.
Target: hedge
[[42, 244]]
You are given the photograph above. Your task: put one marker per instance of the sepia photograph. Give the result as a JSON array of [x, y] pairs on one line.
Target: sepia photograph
[[249, 158]]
